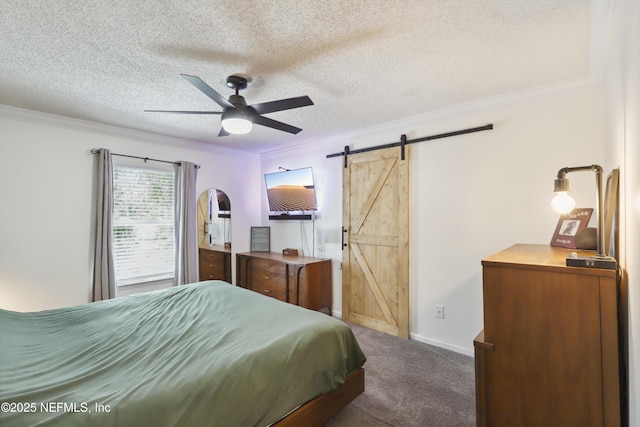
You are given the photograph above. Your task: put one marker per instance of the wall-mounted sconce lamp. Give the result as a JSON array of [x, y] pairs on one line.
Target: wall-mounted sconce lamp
[[563, 203]]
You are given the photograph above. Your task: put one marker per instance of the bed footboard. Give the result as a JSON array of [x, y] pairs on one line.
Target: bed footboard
[[317, 411]]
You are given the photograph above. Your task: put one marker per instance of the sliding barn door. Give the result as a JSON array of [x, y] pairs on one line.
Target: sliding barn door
[[375, 275]]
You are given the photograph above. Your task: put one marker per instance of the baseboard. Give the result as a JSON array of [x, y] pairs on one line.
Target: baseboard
[[425, 340], [445, 345]]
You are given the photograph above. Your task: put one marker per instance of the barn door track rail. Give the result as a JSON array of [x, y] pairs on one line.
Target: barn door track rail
[[404, 141]]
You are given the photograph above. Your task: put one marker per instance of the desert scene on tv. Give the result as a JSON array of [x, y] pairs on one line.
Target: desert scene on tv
[[291, 198], [291, 190]]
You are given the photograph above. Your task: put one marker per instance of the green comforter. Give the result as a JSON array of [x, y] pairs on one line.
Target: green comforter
[[206, 354]]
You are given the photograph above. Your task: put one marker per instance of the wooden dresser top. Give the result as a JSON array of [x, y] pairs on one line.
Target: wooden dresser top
[[217, 248], [284, 258], [541, 257]]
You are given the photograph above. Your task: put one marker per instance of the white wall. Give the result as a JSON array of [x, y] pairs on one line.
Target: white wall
[[622, 82], [471, 195], [47, 197]]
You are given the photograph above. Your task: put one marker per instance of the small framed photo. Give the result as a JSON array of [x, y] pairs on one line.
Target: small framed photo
[[568, 225], [260, 239]]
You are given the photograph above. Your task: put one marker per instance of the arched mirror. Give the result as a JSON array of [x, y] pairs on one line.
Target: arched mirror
[[214, 235]]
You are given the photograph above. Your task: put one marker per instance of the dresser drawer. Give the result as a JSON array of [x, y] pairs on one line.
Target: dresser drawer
[[269, 283], [212, 270], [207, 256], [214, 265], [268, 265]]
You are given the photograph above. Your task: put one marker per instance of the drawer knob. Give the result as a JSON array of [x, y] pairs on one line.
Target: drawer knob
[[267, 277], [267, 291]]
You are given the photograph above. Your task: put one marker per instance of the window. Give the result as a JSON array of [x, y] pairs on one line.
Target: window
[[143, 224]]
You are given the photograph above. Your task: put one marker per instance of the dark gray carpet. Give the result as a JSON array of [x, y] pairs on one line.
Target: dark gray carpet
[[408, 383]]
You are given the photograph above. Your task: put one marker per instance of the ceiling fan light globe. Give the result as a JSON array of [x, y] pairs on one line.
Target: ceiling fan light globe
[[236, 122]]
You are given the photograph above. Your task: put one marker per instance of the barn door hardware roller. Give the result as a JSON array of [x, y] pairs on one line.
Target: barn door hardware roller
[[344, 233]]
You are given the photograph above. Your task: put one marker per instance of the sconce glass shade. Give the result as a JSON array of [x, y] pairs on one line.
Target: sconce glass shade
[[563, 203], [235, 122]]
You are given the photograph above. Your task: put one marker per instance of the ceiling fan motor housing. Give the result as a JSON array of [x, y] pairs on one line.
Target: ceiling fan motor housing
[[238, 101]]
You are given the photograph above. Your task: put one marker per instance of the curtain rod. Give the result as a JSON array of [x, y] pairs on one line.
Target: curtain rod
[[97, 150]]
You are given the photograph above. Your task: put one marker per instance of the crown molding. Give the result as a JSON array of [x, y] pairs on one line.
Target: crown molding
[[38, 117]]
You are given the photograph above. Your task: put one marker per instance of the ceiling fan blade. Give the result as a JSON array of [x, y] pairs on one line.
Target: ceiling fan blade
[[283, 104], [208, 90], [264, 121], [223, 132], [183, 112]]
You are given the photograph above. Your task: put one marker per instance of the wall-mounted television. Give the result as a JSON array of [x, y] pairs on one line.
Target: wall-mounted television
[[291, 191]]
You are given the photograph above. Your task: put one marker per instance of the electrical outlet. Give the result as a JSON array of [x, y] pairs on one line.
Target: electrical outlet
[[439, 311]]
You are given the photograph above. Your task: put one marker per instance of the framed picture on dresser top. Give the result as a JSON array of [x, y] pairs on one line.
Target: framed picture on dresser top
[[260, 239], [569, 225]]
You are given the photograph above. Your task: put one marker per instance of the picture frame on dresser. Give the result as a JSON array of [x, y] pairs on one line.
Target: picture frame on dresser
[[569, 225], [260, 239]]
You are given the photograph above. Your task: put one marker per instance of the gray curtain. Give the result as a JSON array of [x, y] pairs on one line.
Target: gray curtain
[[185, 224], [104, 278]]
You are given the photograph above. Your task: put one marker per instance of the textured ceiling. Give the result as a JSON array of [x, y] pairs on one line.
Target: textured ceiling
[[362, 62]]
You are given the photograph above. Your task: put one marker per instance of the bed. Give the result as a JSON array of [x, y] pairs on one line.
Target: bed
[[205, 354]]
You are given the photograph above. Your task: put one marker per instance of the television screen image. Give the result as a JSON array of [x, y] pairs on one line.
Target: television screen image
[[291, 190], [223, 201]]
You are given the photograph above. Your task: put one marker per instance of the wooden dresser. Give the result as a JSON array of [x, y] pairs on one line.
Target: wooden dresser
[[214, 263], [549, 352], [299, 280]]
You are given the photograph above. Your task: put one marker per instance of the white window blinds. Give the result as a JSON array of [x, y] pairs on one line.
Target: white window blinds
[[143, 225]]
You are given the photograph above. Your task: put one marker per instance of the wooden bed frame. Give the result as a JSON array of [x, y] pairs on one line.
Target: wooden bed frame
[[317, 411]]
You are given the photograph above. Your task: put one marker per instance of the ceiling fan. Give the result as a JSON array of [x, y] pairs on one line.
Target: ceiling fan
[[237, 116]]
